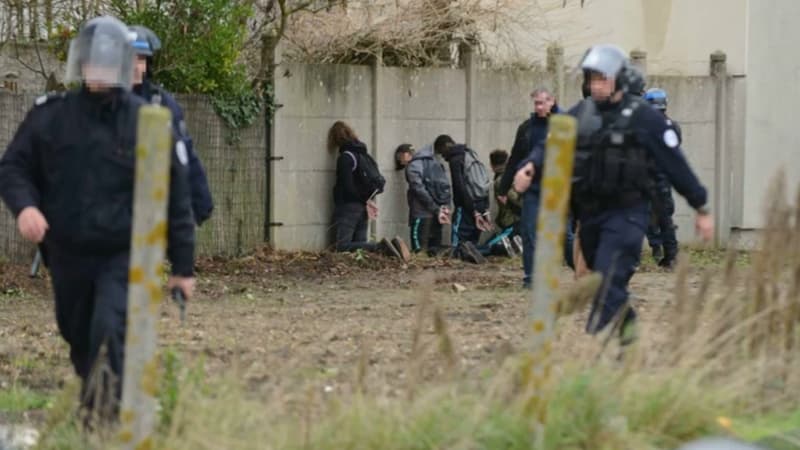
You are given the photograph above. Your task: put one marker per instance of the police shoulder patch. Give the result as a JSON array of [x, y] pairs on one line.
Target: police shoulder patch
[[671, 138], [180, 151]]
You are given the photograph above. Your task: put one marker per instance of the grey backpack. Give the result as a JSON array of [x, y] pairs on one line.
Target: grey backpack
[[476, 176]]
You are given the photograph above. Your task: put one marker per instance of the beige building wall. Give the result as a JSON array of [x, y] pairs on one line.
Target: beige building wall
[[773, 93], [678, 35]]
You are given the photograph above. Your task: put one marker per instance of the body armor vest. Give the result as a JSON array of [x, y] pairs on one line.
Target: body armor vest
[[612, 169]]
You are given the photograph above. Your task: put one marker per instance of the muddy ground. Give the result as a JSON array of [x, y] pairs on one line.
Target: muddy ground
[[278, 320]]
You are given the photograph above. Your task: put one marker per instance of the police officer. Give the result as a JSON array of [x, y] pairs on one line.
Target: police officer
[[145, 44], [661, 232], [619, 138], [68, 178]]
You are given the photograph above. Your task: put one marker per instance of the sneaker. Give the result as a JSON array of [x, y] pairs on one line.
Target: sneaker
[[389, 249], [401, 247], [470, 253], [517, 243], [507, 247]]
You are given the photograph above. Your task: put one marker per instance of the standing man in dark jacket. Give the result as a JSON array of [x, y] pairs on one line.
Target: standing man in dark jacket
[[68, 178], [145, 45], [528, 153], [429, 200], [468, 212]]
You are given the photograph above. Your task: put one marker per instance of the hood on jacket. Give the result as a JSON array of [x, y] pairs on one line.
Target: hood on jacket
[[353, 146], [424, 152]]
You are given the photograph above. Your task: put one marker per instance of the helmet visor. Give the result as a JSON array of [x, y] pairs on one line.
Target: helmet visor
[[102, 57]]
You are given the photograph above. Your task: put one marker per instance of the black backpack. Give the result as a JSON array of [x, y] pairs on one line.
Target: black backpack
[[368, 178]]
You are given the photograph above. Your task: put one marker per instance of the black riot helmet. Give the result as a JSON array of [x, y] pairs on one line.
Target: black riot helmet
[[635, 80], [145, 43], [101, 54]]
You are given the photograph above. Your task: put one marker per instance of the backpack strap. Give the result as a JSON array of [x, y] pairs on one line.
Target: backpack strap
[[355, 160]]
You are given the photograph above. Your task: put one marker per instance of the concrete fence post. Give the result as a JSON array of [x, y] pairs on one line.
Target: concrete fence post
[[471, 72], [148, 246], [639, 59], [555, 66], [377, 101], [722, 163]]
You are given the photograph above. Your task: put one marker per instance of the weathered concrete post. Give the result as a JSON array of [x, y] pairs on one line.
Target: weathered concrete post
[[722, 163], [377, 101], [548, 258], [148, 243], [555, 65], [471, 71]]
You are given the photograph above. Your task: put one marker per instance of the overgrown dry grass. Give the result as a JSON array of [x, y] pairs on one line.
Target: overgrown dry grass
[[413, 33], [730, 365]]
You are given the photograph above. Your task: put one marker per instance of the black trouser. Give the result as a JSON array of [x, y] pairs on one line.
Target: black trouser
[[351, 221], [426, 234], [91, 297], [464, 228], [661, 231]]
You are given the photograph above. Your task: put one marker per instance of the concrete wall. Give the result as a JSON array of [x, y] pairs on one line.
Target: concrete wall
[[21, 64], [773, 74], [387, 107], [414, 106]]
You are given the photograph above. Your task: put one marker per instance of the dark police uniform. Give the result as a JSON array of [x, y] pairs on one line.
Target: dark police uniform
[[618, 144], [202, 202], [661, 231], [73, 158]]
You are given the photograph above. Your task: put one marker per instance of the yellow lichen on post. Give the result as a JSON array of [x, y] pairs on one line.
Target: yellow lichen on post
[[148, 245], [548, 260]]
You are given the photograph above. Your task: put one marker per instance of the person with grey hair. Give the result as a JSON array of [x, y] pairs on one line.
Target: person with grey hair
[[528, 151]]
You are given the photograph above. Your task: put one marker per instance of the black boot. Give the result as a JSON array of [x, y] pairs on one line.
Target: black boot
[[658, 252]]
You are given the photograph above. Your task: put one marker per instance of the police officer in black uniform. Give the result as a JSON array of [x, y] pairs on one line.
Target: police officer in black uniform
[[68, 178], [661, 232], [620, 138], [145, 44]]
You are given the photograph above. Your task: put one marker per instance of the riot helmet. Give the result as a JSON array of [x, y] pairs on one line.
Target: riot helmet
[[657, 97], [611, 63], [608, 60], [101, 54], [633, 80], [145, 42]]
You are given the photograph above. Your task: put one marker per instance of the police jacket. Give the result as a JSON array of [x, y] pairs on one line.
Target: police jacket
[[73, 158], [610, 137], [428, 185], [202, 202]]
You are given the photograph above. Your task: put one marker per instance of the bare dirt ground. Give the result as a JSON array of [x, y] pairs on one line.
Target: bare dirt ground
[[278, 320]]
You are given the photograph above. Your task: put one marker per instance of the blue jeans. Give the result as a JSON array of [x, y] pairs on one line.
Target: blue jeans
[[530, 216]]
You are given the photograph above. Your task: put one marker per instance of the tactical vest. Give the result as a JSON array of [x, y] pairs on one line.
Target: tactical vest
[[612, 168]]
